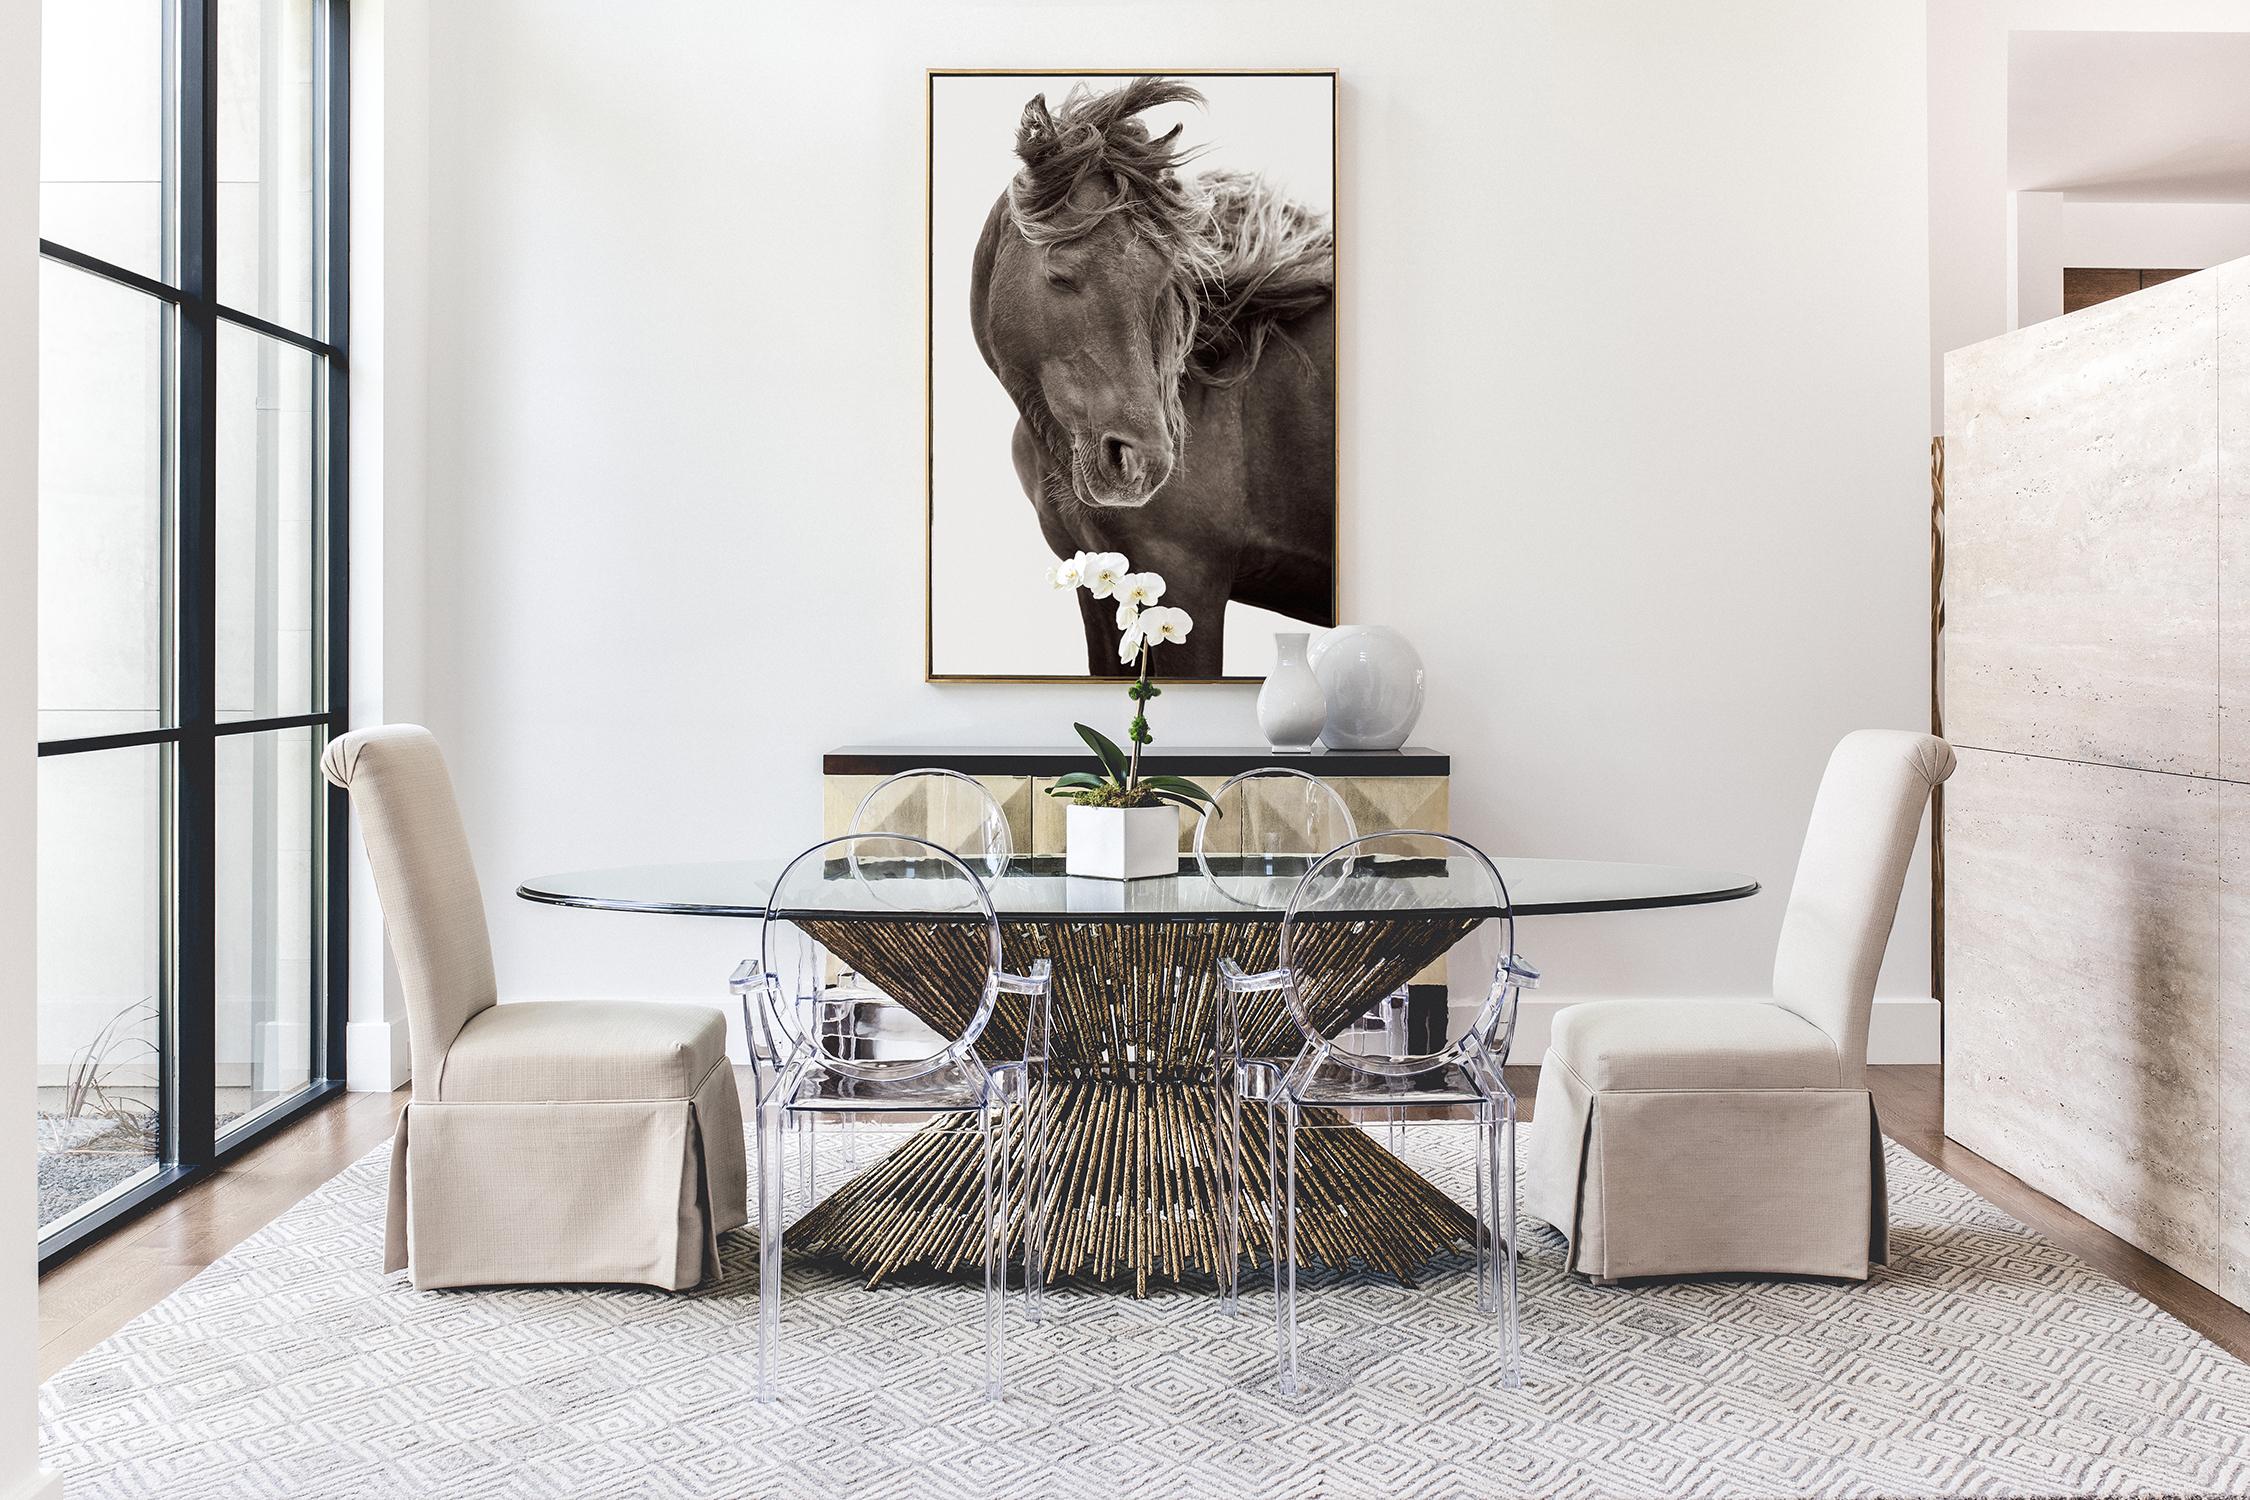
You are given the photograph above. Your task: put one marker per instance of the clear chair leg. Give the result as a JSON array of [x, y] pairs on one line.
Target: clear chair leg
[[1511, 1318], [1032, 1125], [838, 1027], [771, 1126], [995, 1242], [1394, 1040], [808, 1161], [1282, 1119], [1482, 1247], [1227, 1089]]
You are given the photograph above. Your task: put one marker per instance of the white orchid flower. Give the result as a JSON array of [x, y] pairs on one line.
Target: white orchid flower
[[1142, 589], [1103, 572], [1130, 647], [1127, 613], [1069, 573], [1165, 625]]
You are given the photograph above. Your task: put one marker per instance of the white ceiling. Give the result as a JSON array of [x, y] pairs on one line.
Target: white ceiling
[[2135, 116]]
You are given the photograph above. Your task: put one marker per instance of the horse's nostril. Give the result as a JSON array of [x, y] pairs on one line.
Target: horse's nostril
[[1119, 457]]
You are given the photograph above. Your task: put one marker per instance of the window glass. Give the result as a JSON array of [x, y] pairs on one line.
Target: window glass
[[267, 138], [104, 138], [104, 562]]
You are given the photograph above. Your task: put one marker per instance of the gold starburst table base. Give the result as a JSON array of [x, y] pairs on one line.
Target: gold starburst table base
[[1134, 1131], [1135, 1193]]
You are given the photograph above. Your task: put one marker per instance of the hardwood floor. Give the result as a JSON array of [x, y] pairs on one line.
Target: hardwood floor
[[97, 1292], [102, 1288], [1911, 1103]]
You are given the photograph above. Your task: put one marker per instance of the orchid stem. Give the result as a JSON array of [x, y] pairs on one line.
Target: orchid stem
[[1140, 713]]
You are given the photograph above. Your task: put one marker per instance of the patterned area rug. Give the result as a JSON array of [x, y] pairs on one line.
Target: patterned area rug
[[1983, 1362]]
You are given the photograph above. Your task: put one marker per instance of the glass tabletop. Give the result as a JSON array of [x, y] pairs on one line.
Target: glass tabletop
[[1246, 889]]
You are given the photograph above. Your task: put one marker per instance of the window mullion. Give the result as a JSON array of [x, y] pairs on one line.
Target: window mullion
[[195, 945], [334, 185]]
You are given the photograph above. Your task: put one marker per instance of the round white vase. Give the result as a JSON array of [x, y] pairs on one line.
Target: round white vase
[[1372, 678], [1291, 706]]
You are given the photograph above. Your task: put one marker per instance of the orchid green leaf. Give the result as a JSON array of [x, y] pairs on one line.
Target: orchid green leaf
[[1179, 785], [1105, 749]]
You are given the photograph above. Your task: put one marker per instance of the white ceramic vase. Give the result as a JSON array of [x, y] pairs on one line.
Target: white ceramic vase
[[1372, 677], [1292, 709], [1121, 843]]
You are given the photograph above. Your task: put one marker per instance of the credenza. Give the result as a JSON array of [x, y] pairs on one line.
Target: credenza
[[1384, 789]]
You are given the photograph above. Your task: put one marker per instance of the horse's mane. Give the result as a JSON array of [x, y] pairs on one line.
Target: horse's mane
[[1248, 258]]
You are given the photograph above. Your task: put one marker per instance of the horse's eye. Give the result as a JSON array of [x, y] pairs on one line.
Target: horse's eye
[[1061, 282]]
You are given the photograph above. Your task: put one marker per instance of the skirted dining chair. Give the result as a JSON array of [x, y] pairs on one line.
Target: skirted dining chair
[[1681, 1137], [546, 1140]]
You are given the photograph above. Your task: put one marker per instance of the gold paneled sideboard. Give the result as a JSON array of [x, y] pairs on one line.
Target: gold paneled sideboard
[[1384, 789], [1405, 788]]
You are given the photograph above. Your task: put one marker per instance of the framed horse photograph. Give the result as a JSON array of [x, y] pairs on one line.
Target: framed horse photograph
[[1132, 351]]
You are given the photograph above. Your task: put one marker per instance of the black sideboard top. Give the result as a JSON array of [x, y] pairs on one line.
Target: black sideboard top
[[1053, 760]]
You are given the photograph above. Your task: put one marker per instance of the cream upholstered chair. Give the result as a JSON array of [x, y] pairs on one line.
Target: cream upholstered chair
[[1675, 1137], [546, 1140]]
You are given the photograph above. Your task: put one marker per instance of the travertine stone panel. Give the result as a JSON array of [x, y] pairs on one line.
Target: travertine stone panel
[[2081, 511], [2233, 387], [2234, 750], [2082, 980], [2234, 1043]]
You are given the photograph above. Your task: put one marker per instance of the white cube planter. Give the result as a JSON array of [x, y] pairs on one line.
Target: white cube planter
[[1121, 843]]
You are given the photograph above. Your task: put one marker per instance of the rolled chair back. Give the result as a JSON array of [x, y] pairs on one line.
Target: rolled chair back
[[1268, 822], [1379, 911], [1857, 847], [433, 908], [955, 811], [912, 920]]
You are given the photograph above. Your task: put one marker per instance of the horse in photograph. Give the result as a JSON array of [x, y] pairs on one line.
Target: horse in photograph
[[1169, 343]]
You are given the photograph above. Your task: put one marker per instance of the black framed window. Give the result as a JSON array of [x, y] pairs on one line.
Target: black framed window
[[192, 583]]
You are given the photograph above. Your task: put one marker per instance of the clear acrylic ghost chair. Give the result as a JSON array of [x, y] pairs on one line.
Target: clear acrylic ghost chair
[[1442, 890], [956, 812], [1277, 820], [951, 809], [900, 894]]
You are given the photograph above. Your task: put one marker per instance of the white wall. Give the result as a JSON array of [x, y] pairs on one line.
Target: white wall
[[389, 427], [1971, 293], [2051, 231], [20, 1474], [1634, 305]]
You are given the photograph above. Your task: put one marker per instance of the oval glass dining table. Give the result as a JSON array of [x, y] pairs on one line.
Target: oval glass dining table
[[1133, 1129]]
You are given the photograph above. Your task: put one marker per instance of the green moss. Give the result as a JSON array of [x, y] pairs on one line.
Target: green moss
[[1112, 796]]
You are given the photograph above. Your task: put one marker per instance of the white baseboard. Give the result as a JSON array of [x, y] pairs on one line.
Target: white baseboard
[[376, 1056], [40, 1484], [1902, 1030]]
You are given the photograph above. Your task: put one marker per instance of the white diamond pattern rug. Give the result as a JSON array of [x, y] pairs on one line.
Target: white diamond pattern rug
[[1981, 1362]]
